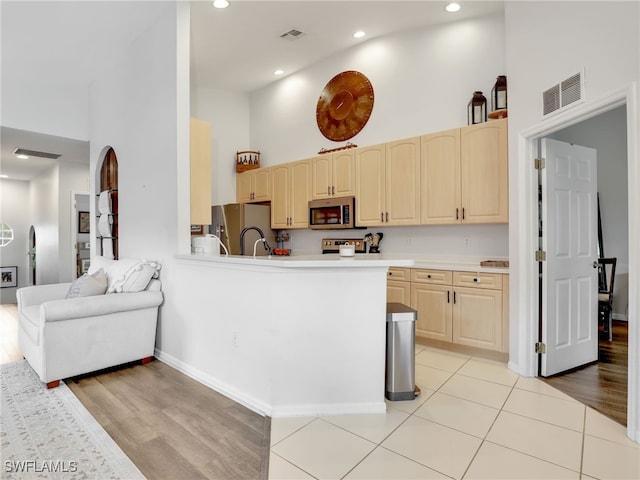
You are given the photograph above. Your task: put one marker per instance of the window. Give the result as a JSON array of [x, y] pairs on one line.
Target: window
[[6, 234]]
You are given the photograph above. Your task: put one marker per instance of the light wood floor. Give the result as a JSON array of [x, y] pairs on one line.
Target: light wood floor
[[168, 424]]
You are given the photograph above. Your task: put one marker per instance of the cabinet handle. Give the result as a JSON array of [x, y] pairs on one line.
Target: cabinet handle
[[328, 190], [476, 279], [382, 217], [457, 213], [448, 296], [463, 213], [333, 190], [429, 276], [387, 217], [454, 298]]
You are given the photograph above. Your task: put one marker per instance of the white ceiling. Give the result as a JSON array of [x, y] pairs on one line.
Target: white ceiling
[[72, 42]]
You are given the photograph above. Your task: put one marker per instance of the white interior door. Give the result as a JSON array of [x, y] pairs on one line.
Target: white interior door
[[569, 279]]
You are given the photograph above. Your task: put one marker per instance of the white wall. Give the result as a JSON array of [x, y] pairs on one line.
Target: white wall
[[50, 109], [74, 177], [607, 134], [133, 110], [44, 215], [422, 81], [14, 199], [228, 113]]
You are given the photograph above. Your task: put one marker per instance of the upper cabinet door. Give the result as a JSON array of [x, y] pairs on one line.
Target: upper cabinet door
[[370, 185], [299, 194], [402, 182], [440, 196], [280, 196], [484, 166], [262, 185], [344, 173], [244, 187], [321, 175]]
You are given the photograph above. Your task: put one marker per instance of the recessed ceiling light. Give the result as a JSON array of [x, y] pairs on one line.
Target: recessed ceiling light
[[452, 7], [22, 157], [278, 72], [4, 176], [359, 34], [220, 3]]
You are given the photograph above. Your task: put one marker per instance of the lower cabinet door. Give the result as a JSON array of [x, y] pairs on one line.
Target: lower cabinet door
[[434, 306], [399, 292], [477, 318]]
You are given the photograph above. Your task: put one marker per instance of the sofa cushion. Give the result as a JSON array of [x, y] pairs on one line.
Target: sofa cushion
[[126, 274], [88, 285], [136, 278]]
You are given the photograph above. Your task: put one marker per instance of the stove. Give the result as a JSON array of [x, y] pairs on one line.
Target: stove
[[332, 245]]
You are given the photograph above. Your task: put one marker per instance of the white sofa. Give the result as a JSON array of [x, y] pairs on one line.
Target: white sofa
[[64, 337]]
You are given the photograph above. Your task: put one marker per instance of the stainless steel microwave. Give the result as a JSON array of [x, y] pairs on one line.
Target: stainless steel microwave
[[332, 213]]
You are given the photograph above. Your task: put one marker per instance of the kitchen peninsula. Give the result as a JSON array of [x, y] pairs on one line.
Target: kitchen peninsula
[[291, 336]]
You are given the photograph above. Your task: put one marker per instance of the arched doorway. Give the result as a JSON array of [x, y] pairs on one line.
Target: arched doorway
[[108, 206]]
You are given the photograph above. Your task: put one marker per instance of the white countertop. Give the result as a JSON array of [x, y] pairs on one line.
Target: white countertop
[[307, 261], [333, 260]]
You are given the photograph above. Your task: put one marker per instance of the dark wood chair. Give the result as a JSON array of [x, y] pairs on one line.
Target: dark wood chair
[[607, 268]]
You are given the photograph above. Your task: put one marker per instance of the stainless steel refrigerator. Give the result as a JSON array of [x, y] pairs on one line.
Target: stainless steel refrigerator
[[227, 221]]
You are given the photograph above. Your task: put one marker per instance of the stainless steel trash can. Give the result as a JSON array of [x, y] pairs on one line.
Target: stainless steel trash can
[[400, 366]]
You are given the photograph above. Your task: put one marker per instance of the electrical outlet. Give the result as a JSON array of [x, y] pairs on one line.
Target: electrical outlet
[[409, 241], [466, 241], [236, 339]]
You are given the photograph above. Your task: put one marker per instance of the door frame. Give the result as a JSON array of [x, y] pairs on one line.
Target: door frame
[[524, 227]]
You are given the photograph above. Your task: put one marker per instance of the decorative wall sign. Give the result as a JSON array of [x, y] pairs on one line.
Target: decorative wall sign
[[9, 277], [344, 106]]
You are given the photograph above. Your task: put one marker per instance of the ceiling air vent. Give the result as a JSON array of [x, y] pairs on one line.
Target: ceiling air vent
[[565, 93], [35, 153], [292, 34]]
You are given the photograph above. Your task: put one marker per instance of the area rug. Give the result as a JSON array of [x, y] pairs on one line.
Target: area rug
[[49, 434]]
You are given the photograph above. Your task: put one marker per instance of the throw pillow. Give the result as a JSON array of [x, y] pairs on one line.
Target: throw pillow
[[136, 278], [88, 285]]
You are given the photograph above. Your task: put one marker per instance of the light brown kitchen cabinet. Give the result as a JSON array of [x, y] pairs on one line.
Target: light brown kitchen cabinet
[[370, 185], [291, 192], [440, 186], [200, 171], [477, 310], [464, 175], [402, 182], [484, 172], [431, 297], [399, 286], [253, 186], [333, 175], [388, 184], [464, 308]]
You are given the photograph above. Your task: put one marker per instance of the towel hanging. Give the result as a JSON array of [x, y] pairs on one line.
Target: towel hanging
[[104, 202]]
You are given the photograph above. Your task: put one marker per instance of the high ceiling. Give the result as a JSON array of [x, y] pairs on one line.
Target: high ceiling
[[71, 43]]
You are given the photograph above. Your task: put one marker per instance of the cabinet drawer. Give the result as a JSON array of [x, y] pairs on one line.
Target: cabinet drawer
[[438, 277], [401, 274], [478, 280]]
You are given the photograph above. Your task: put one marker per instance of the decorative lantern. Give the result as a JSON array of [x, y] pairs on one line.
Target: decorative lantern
[[499, 94], [477, 109]]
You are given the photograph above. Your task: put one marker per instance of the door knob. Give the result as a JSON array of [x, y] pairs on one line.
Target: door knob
[[595, 264]]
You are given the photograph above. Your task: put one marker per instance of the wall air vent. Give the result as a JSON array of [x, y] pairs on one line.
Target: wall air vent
[[564, 94], [292, 34], [35, 153], [551, 100]]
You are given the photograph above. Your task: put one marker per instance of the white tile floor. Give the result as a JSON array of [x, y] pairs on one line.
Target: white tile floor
[[474, 419]]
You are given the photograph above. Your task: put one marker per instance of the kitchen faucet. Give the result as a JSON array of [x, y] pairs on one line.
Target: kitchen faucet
[[260, 232]]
